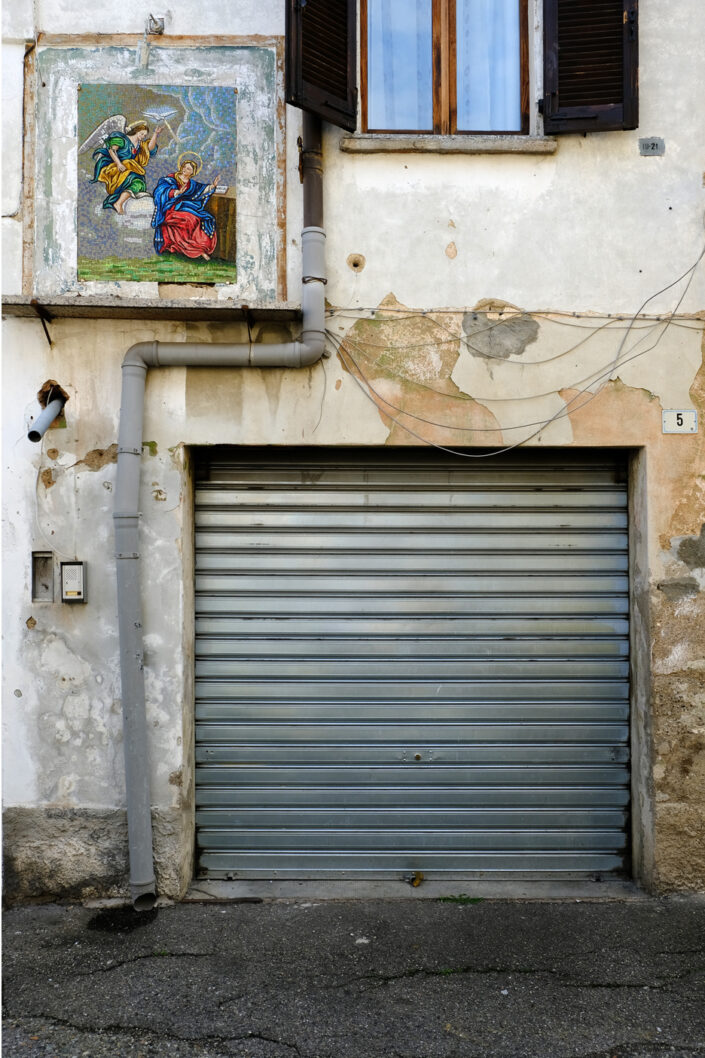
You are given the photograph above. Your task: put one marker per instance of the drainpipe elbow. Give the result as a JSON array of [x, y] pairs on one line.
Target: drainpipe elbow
[[312, 348], [142, 354]]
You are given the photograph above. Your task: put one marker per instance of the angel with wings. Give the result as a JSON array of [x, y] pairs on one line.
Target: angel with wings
[[121, 158]]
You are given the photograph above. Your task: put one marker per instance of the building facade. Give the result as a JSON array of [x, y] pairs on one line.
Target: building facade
[[434, 603]]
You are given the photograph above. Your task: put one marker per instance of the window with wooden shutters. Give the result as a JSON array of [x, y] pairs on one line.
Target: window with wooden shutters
[[444, 66], [321, 55], [453, 66], [590, 65]]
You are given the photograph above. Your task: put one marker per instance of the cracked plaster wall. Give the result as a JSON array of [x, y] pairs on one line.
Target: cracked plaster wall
[[63, 780], [421, 369], [62, 714], [591, 229], [63, 719]]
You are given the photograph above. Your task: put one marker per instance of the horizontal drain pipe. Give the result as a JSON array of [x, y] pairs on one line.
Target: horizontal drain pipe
[[138, 360], [44, 420]]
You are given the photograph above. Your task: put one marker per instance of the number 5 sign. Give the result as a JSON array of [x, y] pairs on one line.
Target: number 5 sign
[[674, 421]]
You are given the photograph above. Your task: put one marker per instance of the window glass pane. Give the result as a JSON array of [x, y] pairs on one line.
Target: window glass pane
[[489, 67], [399, 94]]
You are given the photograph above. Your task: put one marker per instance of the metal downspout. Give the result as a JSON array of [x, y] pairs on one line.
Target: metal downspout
[[138, 359]]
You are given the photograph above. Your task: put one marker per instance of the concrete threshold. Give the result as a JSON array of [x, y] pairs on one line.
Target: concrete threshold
[[397, 889]]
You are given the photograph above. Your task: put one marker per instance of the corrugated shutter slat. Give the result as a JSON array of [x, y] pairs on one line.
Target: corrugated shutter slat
[[409, 662]]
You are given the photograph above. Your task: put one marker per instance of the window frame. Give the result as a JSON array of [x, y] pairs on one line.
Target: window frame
[[444, 75]]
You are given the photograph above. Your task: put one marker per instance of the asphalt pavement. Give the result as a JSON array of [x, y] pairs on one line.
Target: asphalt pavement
[[358, 979]]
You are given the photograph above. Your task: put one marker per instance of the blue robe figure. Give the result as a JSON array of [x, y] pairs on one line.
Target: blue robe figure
[[181, 222]]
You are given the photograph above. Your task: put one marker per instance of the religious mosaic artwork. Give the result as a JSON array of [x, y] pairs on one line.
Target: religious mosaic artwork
[[156, 183]]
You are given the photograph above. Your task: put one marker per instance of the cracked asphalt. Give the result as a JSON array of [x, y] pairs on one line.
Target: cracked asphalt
[[369, 979]]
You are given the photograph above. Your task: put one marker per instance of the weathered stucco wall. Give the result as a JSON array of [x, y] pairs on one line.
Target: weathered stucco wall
[[62, 717], [475, 300], [64, 782], [422, 377]]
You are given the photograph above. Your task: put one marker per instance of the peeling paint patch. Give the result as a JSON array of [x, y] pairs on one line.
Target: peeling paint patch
[[31, 623], [617, 414], [405, 360], [97, 458], [151, 447], [687, 518], [678, 588], [47, 478]]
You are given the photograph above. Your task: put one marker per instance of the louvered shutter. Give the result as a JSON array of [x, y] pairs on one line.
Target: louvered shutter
[[590, 65], [321, 55]]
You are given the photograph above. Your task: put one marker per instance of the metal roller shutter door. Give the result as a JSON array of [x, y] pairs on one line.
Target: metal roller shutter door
[[408, 662]]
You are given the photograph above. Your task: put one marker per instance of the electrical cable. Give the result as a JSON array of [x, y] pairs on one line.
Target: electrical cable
[[529, 363], [616, 361], [524, 396], [473, 398], [465, 340], [542, 424], [510, 311], [611, 321], [594, 376]]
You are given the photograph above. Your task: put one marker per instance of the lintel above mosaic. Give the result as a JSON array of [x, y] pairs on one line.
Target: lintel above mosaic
[[157, 183]]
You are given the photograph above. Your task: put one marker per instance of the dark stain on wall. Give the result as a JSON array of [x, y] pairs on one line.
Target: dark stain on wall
[[42, 857], [498, 339], [691, 551], [678, 588]]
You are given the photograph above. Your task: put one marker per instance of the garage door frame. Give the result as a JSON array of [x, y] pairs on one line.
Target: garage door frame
[[642, 845]]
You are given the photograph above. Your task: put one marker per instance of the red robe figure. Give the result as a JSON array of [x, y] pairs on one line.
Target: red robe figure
[[181, 222]]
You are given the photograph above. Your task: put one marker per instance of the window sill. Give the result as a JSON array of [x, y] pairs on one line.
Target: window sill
[[427, 143], [129, 308]]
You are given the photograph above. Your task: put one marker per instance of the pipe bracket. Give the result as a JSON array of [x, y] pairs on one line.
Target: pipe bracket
[[129, 452], [314, 279]]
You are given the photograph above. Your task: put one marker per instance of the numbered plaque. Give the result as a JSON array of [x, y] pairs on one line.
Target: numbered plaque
[[683, 421], [652, 147]]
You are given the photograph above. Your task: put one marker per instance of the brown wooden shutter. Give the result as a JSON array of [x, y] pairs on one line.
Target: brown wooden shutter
[[590, 65], [321, 59]]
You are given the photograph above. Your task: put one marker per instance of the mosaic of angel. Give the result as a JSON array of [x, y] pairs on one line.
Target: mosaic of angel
[[121, 158], [146, 212], [182, 223]]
